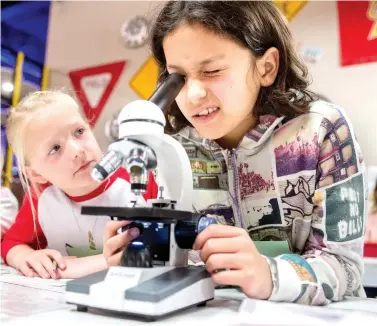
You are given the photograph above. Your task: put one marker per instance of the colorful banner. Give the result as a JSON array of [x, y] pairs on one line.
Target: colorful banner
[[357, 31], [94, 86]]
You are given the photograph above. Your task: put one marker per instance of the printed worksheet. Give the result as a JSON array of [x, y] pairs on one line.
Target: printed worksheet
[[22, 301], [11, 276], [23, 296]]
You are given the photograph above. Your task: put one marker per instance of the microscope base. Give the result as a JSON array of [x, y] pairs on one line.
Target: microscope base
[[150, 293]]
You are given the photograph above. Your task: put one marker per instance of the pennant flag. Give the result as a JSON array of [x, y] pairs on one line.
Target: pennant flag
[[357, 31], [94, 86]]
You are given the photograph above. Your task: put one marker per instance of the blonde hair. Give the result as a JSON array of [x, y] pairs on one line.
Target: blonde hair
[[17, 122]]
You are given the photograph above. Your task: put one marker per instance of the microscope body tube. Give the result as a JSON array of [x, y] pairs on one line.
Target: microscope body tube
[[137, 122]]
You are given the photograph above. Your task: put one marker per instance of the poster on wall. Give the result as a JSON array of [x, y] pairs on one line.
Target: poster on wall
[[94, 86], [357, 31], [310, 53]]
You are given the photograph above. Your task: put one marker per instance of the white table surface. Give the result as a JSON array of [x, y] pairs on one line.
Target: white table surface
[[21, 305], [42, 302]]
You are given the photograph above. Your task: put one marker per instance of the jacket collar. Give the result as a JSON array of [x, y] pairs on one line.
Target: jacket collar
[[253, 140]]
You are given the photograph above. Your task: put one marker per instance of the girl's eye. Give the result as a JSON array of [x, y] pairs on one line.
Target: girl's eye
[[80, 131], [211, 73], [54, 149]]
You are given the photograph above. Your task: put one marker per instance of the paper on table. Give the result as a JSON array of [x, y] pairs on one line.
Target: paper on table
[[259, 312], [352, 304], [10, 275], [5, 269], [34, 282], [21, 301]]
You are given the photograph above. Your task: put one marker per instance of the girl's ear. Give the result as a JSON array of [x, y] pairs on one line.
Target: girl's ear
[[268, 67], [34, 177]]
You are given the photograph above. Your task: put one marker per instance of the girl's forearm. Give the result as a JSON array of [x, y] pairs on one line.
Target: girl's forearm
[[78, 267]]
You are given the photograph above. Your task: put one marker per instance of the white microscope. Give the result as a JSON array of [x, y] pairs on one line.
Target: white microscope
[[154, 279]]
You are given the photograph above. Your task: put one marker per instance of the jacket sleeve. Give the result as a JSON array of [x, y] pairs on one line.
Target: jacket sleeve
[[8, 209], [331, 265], [24, 231]]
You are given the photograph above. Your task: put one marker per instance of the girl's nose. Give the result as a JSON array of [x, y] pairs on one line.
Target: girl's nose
[[77, 149], [196, 91]]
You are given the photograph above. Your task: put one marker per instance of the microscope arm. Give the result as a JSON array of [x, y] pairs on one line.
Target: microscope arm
[[173, 167], [174, 173]]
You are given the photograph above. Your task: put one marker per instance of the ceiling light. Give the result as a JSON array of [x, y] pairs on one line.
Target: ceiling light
[[7, 87]]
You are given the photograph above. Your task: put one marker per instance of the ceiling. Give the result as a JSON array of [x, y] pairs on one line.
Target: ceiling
[[24, 27]]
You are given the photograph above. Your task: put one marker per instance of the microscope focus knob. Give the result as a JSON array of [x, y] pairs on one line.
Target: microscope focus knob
[[136, 255], [187, 231]]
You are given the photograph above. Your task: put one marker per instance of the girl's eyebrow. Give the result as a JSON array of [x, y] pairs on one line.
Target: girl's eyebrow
[[52, 136], [203, 62]]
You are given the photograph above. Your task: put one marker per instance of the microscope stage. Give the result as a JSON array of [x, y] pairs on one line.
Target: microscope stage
[[147, 214]]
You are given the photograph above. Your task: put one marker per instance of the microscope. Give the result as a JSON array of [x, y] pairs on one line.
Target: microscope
[[154, 278]]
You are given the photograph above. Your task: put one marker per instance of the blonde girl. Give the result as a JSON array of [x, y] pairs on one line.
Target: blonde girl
[[55, 151]]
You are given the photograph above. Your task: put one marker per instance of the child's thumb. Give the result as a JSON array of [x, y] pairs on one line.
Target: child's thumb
[[133, 233]]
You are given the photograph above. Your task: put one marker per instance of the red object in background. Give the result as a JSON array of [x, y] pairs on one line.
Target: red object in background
[[370, 249], [357, 31], [94, 86]]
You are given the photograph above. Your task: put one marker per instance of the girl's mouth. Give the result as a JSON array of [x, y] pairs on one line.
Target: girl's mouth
[[206, 115], [84, 167]]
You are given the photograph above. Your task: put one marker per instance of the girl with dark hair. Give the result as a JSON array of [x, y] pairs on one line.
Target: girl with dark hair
[[280, 169]]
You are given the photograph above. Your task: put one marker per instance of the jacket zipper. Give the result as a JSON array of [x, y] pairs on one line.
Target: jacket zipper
[[232, 161]]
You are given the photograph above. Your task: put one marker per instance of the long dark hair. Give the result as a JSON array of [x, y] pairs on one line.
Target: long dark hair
[[256, 25]]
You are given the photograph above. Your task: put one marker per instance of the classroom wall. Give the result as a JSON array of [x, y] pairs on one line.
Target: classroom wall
[[87, 33], [83, 34]]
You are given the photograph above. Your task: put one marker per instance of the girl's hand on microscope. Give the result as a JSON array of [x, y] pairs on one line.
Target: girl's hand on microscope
[[231, 250], [114, 243]]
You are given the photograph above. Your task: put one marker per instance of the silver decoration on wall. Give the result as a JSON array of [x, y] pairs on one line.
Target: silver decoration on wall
[[135, 32]]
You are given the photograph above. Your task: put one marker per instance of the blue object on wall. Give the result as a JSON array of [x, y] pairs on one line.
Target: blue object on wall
[[24, 27]]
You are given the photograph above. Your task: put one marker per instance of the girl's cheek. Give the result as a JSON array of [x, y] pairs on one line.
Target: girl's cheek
[[221, 88], [180, 99]]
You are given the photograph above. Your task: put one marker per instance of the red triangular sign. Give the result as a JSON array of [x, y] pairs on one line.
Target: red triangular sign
[[94, 86]]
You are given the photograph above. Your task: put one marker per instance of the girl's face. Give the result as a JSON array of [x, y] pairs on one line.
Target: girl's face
[[61, 150], [222, 82]]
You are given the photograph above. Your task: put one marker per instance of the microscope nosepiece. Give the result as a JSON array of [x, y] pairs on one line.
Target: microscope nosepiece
[[139, 179], [108, 164]]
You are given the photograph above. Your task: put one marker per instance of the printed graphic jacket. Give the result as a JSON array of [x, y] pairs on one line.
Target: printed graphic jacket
[[298, 188]]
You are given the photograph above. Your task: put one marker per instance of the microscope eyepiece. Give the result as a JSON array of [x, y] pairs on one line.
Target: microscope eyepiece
[[166, 93]]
